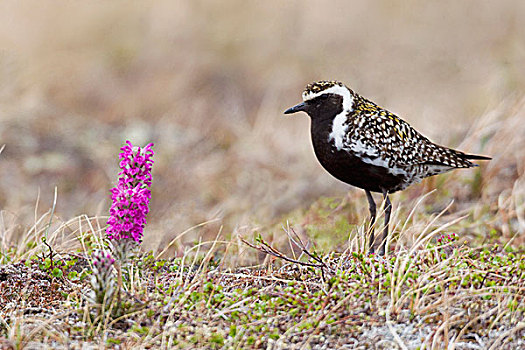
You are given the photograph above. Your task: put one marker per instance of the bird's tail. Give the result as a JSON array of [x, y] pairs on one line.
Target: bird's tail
[[453, 158], [475, 157]]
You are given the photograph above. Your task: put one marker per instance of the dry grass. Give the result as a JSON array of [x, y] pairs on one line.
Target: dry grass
[[207, 83], [430, 295]]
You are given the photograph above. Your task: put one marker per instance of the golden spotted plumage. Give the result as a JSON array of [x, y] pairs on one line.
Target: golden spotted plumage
[[319, 86], [399, 147]]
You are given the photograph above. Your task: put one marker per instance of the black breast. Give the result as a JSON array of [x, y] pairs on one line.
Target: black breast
[[347, 167]]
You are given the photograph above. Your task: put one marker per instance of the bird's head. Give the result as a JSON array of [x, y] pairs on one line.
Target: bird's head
[[324, 100]]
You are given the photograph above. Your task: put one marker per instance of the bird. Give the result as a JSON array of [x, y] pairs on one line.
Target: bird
[[366, 146]]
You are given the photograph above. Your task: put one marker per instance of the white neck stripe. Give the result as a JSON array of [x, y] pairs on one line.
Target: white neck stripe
[[339, 126]]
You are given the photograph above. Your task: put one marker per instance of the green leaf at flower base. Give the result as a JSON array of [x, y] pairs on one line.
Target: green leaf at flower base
[[73, 276]]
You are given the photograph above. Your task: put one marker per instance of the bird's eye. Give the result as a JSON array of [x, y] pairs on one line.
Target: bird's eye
[[321, 99]]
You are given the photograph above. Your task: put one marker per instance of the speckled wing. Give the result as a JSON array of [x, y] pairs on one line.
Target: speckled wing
[[381, 138]]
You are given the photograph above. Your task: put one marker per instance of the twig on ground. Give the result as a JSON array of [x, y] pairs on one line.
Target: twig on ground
[[267, 249]]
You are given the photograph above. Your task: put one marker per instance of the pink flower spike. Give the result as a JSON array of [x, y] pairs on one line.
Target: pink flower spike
[[131, 193]]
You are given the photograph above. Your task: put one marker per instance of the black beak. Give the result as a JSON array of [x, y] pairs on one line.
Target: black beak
[[298, 108]]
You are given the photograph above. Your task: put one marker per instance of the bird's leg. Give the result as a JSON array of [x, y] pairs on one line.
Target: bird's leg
[[372, 208], [388, 210]]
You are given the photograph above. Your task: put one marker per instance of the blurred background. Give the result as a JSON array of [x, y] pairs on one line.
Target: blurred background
[[207, 82]]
